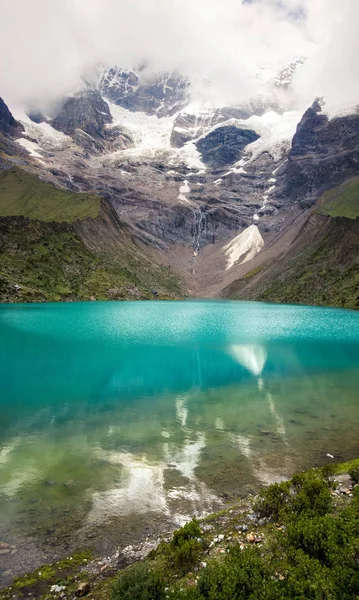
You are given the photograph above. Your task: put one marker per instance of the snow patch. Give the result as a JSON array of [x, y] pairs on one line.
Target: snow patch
[[247, 244], [184, 191], [237, 168], [31, 147], [190, 155], [45, 135], [152, 135], [340, 110], [149, 132], [276, 133]]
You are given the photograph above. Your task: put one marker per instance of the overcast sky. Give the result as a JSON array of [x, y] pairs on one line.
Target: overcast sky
[[46, 45]]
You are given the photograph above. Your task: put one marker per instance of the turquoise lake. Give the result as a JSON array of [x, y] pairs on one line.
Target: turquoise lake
[[119, 420]]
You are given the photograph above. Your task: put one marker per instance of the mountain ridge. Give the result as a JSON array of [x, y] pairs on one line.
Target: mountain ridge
[[187, 186]]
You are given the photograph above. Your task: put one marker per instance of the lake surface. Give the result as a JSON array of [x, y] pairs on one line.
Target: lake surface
[[118, 420]]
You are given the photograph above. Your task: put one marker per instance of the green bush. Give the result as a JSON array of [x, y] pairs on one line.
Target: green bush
[[138, 582], [242, 575], [273, 500], [354, 474], [314, 557], [323, 538], [311, 495], [185, 548], [305, 493], [328, 471], [188, 532], [306, 578]]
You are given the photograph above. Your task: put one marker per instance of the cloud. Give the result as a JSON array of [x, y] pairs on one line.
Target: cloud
[[332, 70], [222, 45]]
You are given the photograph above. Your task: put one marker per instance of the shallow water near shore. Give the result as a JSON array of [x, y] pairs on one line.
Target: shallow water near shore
[[118, 420]]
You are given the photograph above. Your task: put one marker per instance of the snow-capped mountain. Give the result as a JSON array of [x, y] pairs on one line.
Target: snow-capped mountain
[[188, 177], [162, 95]]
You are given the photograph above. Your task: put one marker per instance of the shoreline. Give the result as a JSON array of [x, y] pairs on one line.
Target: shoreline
[[236, 523]]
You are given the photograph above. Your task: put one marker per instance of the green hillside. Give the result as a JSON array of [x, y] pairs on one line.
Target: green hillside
[[341, 201], [50, 262], [321, 268], [59, 246], [23, 194]]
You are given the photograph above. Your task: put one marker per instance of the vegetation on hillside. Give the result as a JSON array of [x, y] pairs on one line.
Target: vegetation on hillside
[[59, 245], [321, 267], [23, 194], [341, 201], [50, 262], [317, 281]]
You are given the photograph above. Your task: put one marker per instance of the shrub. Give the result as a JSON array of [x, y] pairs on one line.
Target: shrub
[[139, 583], [323, 538], [242, 575], [307, 578], [273, 500], [185, 548], [190, 531], [328, 471], [312, 496], [354, 474]]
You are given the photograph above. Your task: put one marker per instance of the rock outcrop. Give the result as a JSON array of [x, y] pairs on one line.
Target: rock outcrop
[[224, 145], [324, 153], [86, 111], [189, 126], [9, 125], [162, 95]]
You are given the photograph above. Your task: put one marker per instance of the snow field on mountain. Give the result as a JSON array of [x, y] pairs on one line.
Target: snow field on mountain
[[31, 147], [47, 137], [152, 136], [276, 131]]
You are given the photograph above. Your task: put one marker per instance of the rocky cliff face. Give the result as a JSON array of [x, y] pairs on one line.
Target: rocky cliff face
[[224, 145], [163, 95], [86, 117], [8, 125], [324, 153], [86, 111], [189, 126]]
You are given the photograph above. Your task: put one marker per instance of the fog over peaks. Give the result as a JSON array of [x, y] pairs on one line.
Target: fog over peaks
[[226, 47]]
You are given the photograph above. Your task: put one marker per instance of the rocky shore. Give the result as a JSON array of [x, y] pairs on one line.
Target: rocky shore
[[244, 525]]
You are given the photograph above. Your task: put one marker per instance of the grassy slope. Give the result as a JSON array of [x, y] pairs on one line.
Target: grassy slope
[[322, 265], [341, 201], [23, 194], [75, 250]]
